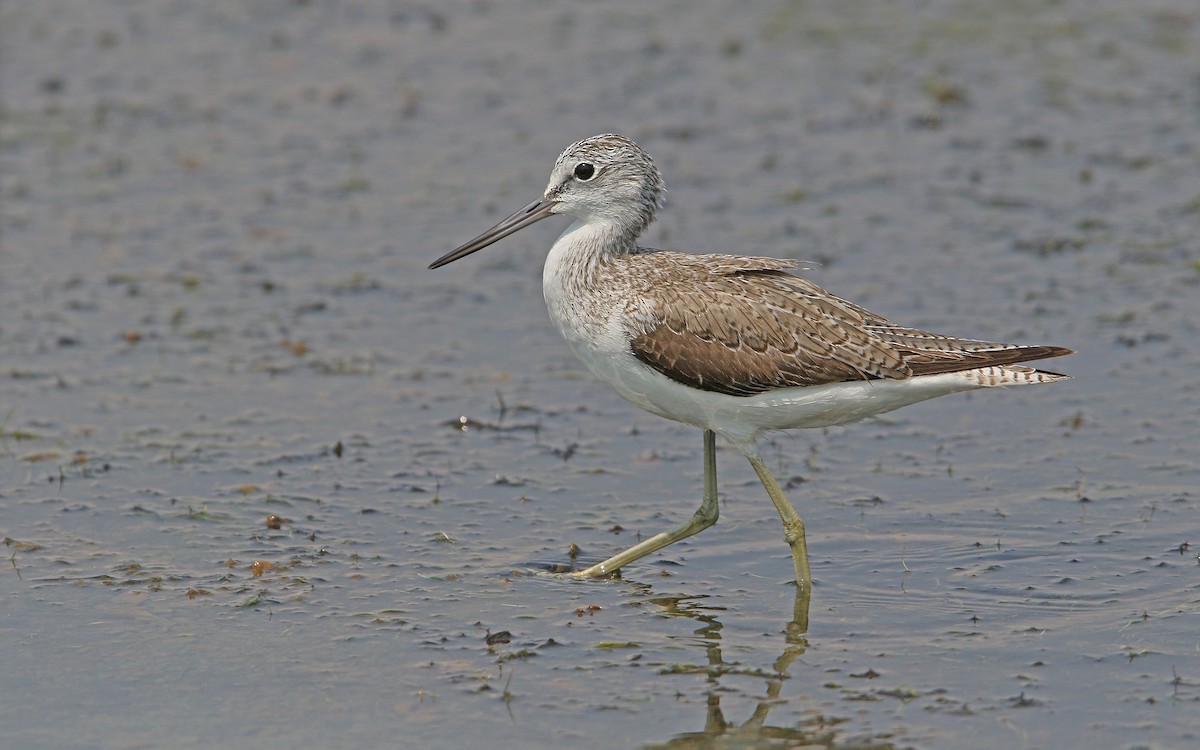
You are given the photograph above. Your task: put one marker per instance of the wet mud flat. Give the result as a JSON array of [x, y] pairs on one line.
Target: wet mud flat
[[267, 480]]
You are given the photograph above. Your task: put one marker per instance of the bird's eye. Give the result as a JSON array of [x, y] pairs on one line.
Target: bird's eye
[[584, 171]]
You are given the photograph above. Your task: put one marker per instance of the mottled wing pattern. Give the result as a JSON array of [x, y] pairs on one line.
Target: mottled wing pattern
[[743, 326]]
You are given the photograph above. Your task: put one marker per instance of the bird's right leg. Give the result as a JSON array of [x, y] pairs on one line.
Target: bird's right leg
[[793, 526]]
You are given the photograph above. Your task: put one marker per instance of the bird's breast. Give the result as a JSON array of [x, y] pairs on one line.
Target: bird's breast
[[581, 296]]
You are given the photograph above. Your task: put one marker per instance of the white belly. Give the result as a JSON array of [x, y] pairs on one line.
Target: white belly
[[741, 419]]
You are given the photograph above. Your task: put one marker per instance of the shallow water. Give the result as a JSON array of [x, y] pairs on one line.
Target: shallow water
[[214, 310]]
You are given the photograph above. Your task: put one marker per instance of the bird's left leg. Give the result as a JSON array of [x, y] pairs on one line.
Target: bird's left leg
[[704, 517]]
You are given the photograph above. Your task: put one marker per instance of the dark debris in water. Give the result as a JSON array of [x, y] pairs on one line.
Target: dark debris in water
[[465, 423], [502, 636], [1047, 246]]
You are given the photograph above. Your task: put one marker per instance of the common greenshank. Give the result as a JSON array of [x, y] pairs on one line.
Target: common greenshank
[[731, 344]]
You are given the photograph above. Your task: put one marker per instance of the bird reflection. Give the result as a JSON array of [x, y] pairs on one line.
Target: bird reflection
[[754, 732]]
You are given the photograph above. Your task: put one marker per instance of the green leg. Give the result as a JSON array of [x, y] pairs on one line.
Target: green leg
[[793, 527], [703, 518]]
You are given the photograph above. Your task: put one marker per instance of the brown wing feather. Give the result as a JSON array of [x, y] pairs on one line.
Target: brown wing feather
[[744, 330], [930, 353]]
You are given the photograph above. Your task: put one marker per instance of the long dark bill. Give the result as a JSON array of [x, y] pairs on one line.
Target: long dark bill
[[531, 214]]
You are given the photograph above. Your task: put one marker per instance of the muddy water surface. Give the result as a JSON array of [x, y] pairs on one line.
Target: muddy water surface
[[268, 482]]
